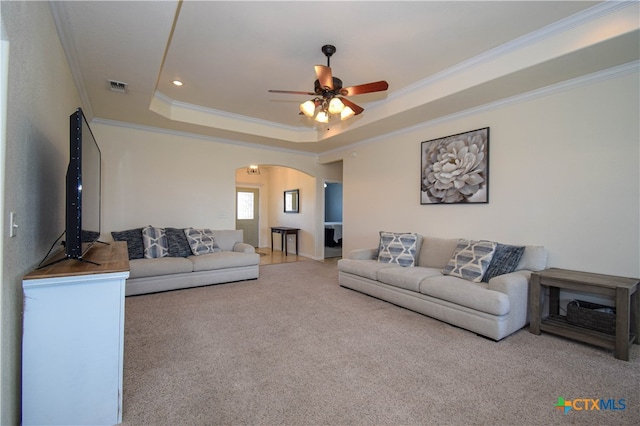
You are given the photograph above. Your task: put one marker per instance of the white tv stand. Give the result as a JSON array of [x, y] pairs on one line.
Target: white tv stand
[[73, 340]]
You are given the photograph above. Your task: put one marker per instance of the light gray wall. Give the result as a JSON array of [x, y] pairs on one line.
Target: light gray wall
[[563, 173], [41, 96], [163, 179]]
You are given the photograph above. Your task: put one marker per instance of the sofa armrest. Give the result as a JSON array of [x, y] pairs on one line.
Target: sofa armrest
[[243, 248], [362, 254], [514, 282], [516, 286]]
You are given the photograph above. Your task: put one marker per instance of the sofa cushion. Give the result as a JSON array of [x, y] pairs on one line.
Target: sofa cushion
[[466, 293], [139, 268], [407, 278], [436, 252], [155, 242], [398, 247], [177, 241], [505, 260], [201, 241], [133, 237], [223, 260], [470, 260], [364, 268], [534, 259]]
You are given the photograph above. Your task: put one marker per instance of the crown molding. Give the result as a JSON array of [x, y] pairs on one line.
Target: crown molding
[[581, 18], [198, 108], [608, 74], [196, 114], [296, 134], [57, 10], [619, 71], [198, 136]]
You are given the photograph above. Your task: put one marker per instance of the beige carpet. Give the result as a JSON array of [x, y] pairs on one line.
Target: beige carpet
[[294, 348]]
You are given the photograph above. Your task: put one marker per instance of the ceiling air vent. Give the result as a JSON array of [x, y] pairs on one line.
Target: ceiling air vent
[[117, 86]]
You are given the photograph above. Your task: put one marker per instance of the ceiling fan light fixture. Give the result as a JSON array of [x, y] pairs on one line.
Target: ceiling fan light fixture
[[308, 108], [335, 106], [346, 113], [329, 92], [322, 117]]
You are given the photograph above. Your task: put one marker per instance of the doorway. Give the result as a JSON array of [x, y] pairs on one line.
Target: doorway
[[247, 217], [332, 219]]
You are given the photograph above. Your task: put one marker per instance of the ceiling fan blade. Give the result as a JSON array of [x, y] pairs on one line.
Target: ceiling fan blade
[[293, 92], [324, 76], [377, 86], [356, 108]]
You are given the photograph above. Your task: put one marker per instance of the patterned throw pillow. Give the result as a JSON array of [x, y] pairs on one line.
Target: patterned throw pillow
[[201, 241], [155, 242], [470, 260], [398, 248], [505, 260], [133, 237], [178, 244]]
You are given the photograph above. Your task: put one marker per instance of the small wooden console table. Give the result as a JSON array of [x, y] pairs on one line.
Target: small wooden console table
[[623, 290], [284, 231]]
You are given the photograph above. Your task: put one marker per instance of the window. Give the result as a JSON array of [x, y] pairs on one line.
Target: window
[[245, 206]]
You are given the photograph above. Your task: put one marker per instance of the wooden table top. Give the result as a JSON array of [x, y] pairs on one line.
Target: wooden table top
[[599, 280], [111, 257], [283, 228]]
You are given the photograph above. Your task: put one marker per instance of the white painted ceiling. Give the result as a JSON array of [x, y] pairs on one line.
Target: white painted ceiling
[[439, 58]]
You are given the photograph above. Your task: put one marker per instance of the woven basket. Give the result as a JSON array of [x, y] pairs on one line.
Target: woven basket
[[584, 314]]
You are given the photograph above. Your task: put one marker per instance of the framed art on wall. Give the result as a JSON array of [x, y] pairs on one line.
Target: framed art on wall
[[455, 169]]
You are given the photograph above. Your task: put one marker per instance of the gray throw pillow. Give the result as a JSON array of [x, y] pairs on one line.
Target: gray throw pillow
[[201, 241], [178, 244], [398, 247], [470, 260], [155, 242], [133, 238], [505, 260]]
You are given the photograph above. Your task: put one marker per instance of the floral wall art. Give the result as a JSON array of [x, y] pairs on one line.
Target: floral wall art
[[455, 169]]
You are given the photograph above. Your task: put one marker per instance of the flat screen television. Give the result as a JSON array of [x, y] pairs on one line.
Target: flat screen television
[[82, 218]]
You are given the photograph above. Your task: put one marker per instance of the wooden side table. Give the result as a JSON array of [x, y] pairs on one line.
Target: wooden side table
[[624, 291], [284, 231]]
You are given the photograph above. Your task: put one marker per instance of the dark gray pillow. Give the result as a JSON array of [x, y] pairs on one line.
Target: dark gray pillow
[[133, 237], [505, 260], [178, 244]]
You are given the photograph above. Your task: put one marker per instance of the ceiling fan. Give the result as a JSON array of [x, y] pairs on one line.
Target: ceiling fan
[[329, 93]]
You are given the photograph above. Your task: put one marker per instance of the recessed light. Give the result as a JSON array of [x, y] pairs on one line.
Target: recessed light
[[177, 82]]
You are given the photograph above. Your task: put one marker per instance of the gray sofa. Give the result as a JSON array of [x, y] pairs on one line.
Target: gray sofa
[[493, 309], [236, 261]]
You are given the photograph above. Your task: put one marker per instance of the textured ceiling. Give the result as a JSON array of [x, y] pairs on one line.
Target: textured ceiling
[[438, 58]]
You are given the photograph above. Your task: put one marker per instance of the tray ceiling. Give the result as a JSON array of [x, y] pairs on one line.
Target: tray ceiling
[[438, 57]]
